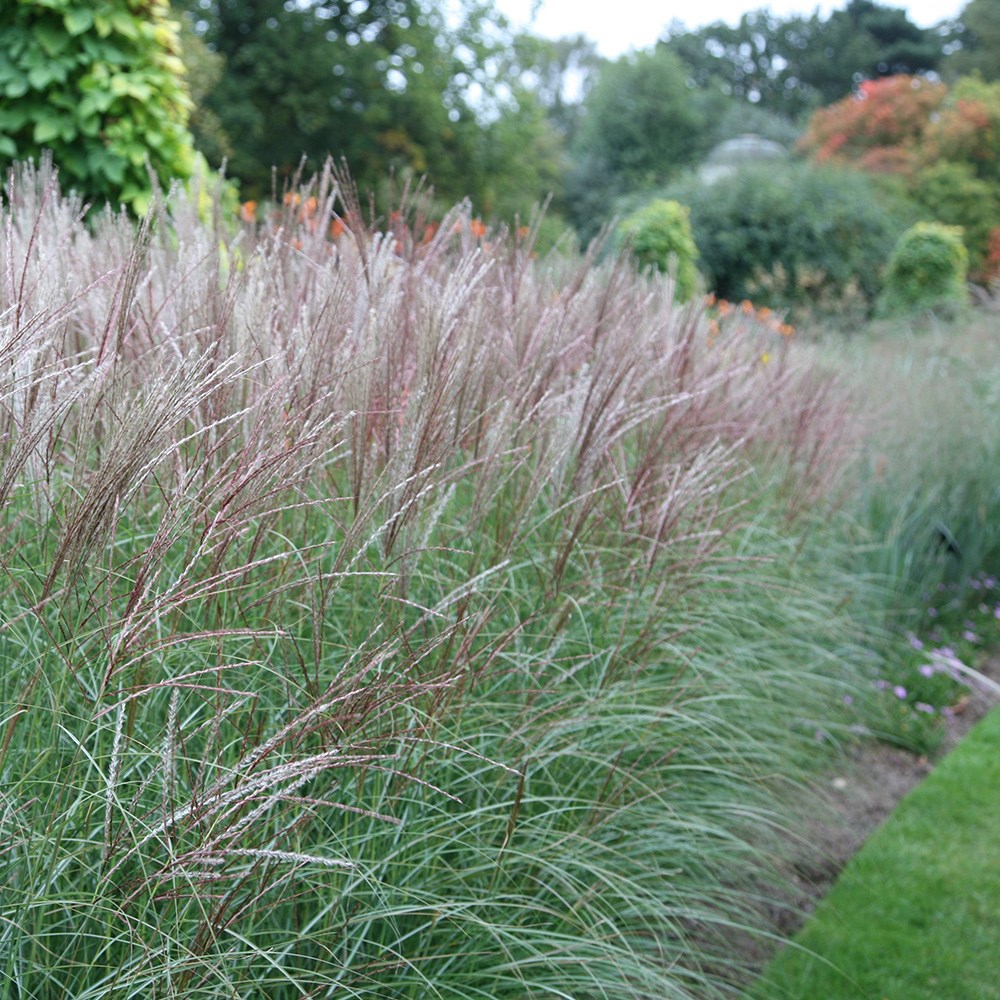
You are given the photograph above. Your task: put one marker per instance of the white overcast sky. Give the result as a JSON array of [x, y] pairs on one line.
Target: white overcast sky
[[620, 25]]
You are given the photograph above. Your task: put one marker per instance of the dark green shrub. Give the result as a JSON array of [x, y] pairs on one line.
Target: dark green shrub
[[951, 193], [659, 235], [809, 239], [100, 84], [927, 270]]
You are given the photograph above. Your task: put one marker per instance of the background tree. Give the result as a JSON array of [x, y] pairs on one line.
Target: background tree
[[977, 34], [792, 65], [204, 71], [967, 128], [101, 85], [753, 61], [880, 128], [560, 72], [391, 86], [642, 125], [941, 144], [866, 41]]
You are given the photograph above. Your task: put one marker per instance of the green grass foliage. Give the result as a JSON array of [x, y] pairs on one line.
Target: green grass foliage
[[396, 617], [927, 270], [659, 236], [924, 515], [399, 614], [912, 914]]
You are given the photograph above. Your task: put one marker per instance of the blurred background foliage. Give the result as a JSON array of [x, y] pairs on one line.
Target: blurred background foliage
[[453, 97]]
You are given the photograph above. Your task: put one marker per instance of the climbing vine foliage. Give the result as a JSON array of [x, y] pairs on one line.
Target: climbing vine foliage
[[101, 85]]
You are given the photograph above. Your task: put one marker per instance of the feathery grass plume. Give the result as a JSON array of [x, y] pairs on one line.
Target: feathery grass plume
[[375, 609]]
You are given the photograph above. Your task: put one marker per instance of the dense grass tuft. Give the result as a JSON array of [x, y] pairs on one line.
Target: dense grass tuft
[[395, 616]]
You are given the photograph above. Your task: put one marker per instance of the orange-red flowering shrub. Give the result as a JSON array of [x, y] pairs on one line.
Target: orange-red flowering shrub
[[944, 143], [891, 113]]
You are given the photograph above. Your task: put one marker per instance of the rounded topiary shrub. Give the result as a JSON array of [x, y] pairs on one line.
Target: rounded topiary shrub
[[659, 235], [927, 270]]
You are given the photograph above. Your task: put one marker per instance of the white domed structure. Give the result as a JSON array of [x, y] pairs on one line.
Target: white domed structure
[[737, 152]]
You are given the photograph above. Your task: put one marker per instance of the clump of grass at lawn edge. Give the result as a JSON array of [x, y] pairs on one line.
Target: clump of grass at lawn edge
[[394, 616]]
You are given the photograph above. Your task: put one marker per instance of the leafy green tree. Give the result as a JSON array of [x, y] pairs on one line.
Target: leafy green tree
[[390, 86], [204, 71], [642, 125], [753, 61], [794, 64], [967, 128], [520, 160], [951, 193], [101, 85], [978, 41], [866, 41], [560, 73]]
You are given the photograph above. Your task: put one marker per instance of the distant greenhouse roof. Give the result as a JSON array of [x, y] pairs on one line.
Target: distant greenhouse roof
[[735, 152]]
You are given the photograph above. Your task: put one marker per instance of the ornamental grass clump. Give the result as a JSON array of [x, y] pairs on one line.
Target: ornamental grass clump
[[375, 611]]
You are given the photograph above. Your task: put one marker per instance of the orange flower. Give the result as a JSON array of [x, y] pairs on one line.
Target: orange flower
[[747, 306], [785, 330], [292, 198], [248, 211], [478, 228], [337, 229], [430, 230], [710, 299]]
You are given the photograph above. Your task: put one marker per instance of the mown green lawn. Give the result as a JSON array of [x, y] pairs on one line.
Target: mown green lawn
[[915, 914]]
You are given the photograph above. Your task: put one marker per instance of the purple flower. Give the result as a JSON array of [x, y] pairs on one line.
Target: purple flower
[[914, 641], [899, 691], [927, 670], [932, 612], [969, 636], [922, 706], [882, 685], [848, 700]]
